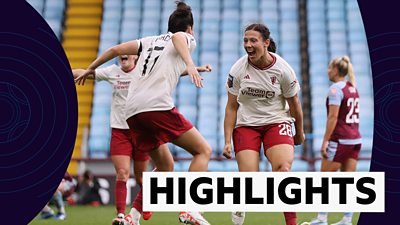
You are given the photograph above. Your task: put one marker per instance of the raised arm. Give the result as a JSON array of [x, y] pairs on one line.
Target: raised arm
[[229, 123], [127, 48], [297, 113], [204, 68], [180, 43]]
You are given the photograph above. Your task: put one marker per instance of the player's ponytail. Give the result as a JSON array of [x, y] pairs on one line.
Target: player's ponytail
[[346, 68], [181, 18], [352, 76], [272, 45]]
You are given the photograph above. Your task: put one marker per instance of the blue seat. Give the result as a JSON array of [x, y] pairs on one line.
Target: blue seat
[[216, 166], [110, 4], [363, 165], [300, 165], [208, 100], [111, 14], [99, 147], [189, 112], [231, 165], [228, 4]]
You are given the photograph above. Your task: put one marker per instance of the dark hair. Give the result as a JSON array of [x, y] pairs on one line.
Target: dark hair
[[264, 31], [181, 18], [87, 175]]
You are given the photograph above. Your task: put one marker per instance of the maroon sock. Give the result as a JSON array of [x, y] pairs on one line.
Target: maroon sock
[[138, 203], [290, 218], [120, 196]]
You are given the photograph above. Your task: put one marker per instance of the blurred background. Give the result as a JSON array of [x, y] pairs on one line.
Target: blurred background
[[308, 33]]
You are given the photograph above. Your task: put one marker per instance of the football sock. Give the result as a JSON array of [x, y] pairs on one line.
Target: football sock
[[59, 202], [290, 218], [120, 196], [138, 203]]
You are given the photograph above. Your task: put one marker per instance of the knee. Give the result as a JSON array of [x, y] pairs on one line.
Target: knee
[[207, 151], [284, 167], [122, 174]]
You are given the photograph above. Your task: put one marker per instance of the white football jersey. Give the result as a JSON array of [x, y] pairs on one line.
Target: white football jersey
[[120, 82], [261, 93], [158, 69]]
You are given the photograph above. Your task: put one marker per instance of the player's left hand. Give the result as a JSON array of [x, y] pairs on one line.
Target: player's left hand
[[299, 138]]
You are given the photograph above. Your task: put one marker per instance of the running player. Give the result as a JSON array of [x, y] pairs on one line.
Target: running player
[[262, 105], [342, 139]]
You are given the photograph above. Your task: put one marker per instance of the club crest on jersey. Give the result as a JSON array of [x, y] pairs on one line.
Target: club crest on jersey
[[270, 94], [247, 77], [273, 80], [118, 75]]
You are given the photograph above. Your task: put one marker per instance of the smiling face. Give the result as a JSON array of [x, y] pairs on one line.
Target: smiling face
[[255, 46], [127, 62]]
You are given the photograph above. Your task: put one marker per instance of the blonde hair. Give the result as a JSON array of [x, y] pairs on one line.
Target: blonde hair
[[345, 68]]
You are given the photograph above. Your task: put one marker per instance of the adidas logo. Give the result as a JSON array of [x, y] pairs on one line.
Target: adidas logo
[[247, 77]]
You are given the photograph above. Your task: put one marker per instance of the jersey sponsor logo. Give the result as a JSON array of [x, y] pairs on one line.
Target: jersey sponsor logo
[[273, 80], [254, 92], [122, 85], [230, 81], [247, 77], [270, 94]]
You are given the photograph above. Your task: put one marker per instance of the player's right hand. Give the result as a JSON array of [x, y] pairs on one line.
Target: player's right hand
[[227, 151], [195, 76], [82, 78]]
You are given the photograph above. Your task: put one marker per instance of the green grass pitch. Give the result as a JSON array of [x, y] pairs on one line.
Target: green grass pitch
[[87, 215]]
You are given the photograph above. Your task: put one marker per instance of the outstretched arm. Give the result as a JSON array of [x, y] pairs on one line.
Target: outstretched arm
[[180, 43], [127, 48], [79, 72]]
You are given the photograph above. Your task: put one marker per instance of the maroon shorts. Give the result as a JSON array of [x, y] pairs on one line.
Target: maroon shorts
[[251, 137], [154, 128], [122, 144], [341, 153]]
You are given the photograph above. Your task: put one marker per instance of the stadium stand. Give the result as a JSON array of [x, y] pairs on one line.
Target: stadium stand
[[80, 41]]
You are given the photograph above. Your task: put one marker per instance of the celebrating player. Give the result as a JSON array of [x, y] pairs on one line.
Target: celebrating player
[[342, 140], [262, 104], [150, 110], [121, 145]]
